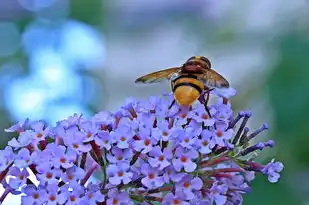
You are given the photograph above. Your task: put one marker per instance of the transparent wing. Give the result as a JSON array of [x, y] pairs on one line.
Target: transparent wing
[[214, 79], [158, 76]]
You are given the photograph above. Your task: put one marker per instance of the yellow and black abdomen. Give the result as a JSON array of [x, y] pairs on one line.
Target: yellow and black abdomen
[[187, 89]]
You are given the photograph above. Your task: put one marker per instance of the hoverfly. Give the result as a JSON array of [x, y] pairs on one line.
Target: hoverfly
[[189, 80]]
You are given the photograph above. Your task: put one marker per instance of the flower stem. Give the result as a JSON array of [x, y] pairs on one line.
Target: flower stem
[[4, 195], [83, 161], [97, 152], [89, 173], [3, 173]]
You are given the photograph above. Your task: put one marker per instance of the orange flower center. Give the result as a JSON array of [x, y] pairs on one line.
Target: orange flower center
[[70, 176], [72, 198], [205, 143], [120, 173], [39, 135], [52, 198], [35, 195], [151, 176], [146, 142], [62, 160], [186, 184], [219, 133], [49, 175], [176, 202], [205, 117], [184, 159]]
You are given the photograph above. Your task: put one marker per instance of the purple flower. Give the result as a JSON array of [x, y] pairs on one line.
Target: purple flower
[[40, 130], [118, 156], [186, 138], [221, 137], [149, 152], [225, 92], [162, 110], [182, 117], [92, 195], [54, 197], [234, 198], [171, 199], [122, 136], [170, 175], [205, 144], [75, 140], [73, 120], [6, 157], [19, 177], [24, 139], [38, 133], [104, 139], [188, 184], [49, 176], [152, 177], [72, 175], [224, 112], [119, 174], [200, 115], [73, 197], [23, 158], [145, 142], [103, 120], [272, 169], [19, 126], [131, 124], [144, 120], [90, 130], [151, 105], [62, 157], [33, 195], [184, 159], [162, 131], [118, 198], [160, 159], [218, 193]]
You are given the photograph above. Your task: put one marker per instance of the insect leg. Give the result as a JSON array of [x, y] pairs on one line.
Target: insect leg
[[172, 104], [206, 106], [206, 100], [172, 86]]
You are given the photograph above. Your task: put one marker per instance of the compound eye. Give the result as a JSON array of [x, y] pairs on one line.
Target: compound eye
[[190, 59], [206, 60]]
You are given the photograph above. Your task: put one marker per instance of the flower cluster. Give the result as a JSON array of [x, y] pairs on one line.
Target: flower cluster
[[147, 152]]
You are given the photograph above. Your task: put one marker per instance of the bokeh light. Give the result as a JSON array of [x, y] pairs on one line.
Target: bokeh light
[[26, 97], [36, 5], [82, 44]]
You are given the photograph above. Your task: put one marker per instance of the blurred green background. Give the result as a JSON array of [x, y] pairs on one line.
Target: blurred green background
[[59, 57]]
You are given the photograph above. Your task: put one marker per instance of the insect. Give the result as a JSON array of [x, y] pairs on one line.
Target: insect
[[189, 80]]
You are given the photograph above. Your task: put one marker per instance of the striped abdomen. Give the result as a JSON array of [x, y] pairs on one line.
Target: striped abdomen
[[187, 89]]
